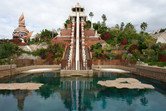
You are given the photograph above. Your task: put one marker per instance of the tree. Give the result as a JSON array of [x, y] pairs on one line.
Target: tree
[[129, 27], [117, 26], [96, 46], [122, 25], [97, 25], [91, 15], [38, 35], [104, 19], [124, 41], [106, 36], [98, 52], [7, 49], [47, 35], [141, 43], [136, 53], [149, 53], [102, 30], [132, 48], [67, 22], [54, 33], [88, 25], [144, 26]]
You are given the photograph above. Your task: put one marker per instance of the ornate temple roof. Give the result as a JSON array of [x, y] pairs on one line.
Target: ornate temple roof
[[22, 26], [78, 8]]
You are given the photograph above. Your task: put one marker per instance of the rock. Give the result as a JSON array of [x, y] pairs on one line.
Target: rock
[[27, 56], [21, 86], [34, 47], [129, 83]]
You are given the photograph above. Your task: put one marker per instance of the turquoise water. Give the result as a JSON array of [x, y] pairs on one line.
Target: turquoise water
[[81, 94]]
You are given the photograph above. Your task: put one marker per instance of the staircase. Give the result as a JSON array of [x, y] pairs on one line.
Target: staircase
[[77, 55]]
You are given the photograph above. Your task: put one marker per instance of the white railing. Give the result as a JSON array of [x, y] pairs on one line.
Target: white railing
[[71, 46], [83, 46]]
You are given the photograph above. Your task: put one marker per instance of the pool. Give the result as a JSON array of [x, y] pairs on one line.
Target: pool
[[81, 94]]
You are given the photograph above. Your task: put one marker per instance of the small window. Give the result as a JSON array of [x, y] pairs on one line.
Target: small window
[[73, 9]]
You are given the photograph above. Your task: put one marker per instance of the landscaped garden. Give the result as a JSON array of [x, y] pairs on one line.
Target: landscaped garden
[[52, 53], [123, 42]]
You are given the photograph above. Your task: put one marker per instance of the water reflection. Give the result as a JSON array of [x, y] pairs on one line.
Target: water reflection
[[77, 93], [20, 95]]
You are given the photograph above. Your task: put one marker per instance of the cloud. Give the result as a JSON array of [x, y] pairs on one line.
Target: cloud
[[51, 14]]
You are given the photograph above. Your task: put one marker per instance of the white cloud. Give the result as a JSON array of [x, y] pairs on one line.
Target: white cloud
[[49, 14]]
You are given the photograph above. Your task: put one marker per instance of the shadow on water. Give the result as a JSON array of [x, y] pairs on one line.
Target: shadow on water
[[78, 93]]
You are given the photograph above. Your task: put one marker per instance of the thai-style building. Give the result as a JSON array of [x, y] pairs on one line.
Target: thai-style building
[[21, 32]]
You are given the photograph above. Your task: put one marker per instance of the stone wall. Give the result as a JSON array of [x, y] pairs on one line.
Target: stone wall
[[5, 70], [29, 62], [114, 62], [66, 32], [91, 41], [69, 26], [131, 69], [157, 73], [19, 70], [65, 40], [89, 33]]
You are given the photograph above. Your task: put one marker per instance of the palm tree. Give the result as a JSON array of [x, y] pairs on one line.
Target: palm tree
[[130, 27], [144, 26], [104, 19], [122, 25], [91, 15], [117, 26]]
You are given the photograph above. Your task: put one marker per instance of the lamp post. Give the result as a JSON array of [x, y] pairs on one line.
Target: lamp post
[[139, 62], [11, 60]]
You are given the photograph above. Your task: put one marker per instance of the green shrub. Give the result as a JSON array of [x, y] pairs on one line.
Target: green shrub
[[152, 63], [39, 52], [68, 21], [107, 56], [132, 58], [112, 56], [2, 61], [88, 25], [163, 52], [96, 46], [94, 58], [36, 53], [145, 60], [7, 49], [58, 59], [161, 64], [162, 30]]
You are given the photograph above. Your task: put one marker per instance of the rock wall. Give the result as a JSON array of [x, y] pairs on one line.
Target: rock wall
[[33, 47], [5, 70], [152, 72]]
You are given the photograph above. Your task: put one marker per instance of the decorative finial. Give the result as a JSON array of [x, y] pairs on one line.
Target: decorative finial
[[22, 20]]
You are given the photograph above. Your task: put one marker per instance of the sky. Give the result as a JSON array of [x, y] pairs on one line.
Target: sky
[[51, 14]]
